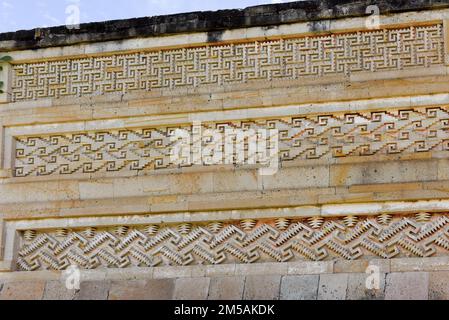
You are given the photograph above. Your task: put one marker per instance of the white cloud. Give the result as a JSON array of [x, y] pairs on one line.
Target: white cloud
[[7, 5]]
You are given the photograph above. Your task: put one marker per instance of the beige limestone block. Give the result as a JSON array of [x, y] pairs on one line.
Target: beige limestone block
[[39, 192], [361, 266], [304, 268], [407, 286], [261, 269], [191, 289], [172, 272], [386, 187], [439, 285], [236, 181], [299, 287], [262, 287], [333, 286], [420, 264], [443, 169], [94, 290], [227, 288], [161, 289], [96, 189], [385, 172], [27, 290], [57, 290], [220, 270], [357, 288], [305, 177], [128, 274]]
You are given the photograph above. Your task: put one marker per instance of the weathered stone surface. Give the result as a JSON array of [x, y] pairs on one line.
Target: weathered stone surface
[[299, 287], [262, 287], [407, 286], [351, 286], [419, 264], [212, 22], [191, 289], [364, 152], [158, 289], [310, 267], [333, 286], [383, 172], [439, 285], [228, 288], [358, 289], [57, 290], [26, 290], [94, 290]]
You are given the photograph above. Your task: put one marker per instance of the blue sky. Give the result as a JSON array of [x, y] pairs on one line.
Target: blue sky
[[27, 14]]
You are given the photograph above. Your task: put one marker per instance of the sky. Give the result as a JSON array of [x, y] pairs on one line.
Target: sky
[[28, 14]]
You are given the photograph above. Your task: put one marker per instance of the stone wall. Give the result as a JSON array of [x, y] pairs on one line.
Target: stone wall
[[417, 279], [361, 121]]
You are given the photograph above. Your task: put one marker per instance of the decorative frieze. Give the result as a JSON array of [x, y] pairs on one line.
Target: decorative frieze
[[241, 242], [216, 65], [324, 136]]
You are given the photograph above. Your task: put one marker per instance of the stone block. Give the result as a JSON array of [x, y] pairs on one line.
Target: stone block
[[57, 290], [383, 172], [94, 290], [262, 288], [333, 286], [160, 289], [420, 264], [228, 288], [299, 287], [361, 266], [407, 286], [298, 177], [23, 290], [241, 180], [307, 268], [96, 190], [439, 285], [171, 272], [261, 269], [191, 289], [358, 289], [220, 270]]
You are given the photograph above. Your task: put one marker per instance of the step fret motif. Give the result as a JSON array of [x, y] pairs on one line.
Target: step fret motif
[[217, 65]]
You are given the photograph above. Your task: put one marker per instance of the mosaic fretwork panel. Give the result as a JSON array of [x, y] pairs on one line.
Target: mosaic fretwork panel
[[326, 136], [248, 241], [281, 59]]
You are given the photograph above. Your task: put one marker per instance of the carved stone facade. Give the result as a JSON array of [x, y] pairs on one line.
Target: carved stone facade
[[246, 241], [218, 65], [322, 136], [360, 117]]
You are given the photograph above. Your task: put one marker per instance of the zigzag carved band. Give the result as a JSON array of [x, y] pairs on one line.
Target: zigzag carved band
[[325, 136], [248, 241]]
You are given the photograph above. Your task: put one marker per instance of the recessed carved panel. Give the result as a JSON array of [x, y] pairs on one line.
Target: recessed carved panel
[[247, 241], [281, 59], [325, 136]]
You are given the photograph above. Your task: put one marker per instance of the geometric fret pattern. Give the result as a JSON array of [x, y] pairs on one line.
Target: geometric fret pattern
[[217, 65], [225, 242], [325, 136]]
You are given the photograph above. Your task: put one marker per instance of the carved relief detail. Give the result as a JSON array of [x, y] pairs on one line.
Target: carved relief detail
[[272, 60], [326, 136], [223, 242]]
